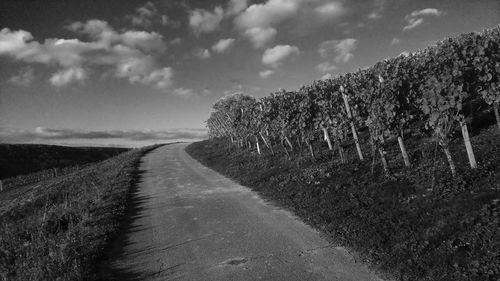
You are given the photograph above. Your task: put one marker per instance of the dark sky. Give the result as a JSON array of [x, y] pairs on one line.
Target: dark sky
[[109, 70]]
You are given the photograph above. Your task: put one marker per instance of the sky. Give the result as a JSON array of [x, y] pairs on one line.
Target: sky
[[133, 73]]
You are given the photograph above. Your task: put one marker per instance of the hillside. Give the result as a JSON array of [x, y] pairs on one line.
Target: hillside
[[398, 160], [57, 229], [20, 159], [417, 224]]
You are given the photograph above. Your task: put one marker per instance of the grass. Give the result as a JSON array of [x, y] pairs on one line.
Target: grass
[[58, 229], [419, 224], [21, 159]]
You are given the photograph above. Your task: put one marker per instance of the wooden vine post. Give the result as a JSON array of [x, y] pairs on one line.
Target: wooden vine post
[[267, 143], [311, 150], [468, 145], [382, 152], [327, 138], [341, 149], [401, 143], [257, 145], [406, 159], [449, 158], [497, 115], [353, 127]]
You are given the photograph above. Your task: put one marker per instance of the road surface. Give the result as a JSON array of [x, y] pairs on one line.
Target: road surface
[[191, 223]]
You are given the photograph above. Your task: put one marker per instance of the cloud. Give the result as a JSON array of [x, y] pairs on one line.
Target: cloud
[[266, 73], [257, 22], [404, 54], [235, 7], [105, 36], [326, 76], [204, 21], [395, 41], [267, 14], [260, 36], [148, 15], [202, 54], [160, 78], [41, 134], [207, 92], [184, 92], [416, 18], [276, 55], [24, 77], [67, 76], [330, 10], [176, 41], [376, 13], [340, 49], [128, 54], [223, 45], [326, 67]]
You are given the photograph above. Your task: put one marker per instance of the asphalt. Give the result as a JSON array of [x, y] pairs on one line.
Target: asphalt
[[187, 222]]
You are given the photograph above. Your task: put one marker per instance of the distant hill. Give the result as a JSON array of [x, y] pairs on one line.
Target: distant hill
[[19, 159]]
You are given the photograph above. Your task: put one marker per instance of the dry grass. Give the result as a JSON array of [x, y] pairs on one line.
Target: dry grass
[[57, 229]]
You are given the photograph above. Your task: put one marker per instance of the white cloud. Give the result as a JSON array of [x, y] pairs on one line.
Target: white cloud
[[326, 67], [10, 41], [202, 54], [235, 7], [148, 15], [176, 41], [106, 36], [223, 45], [426, 12], [412, 23], [129, 54], [184, 92], [416, 18], [266, 73], [330, 10], [160, 78], [404, 54], [326, 76], [340, 49], [260, 36], [67, 76], [257, 22], [276, 55], [395, 41], [143, 15], [24, 77], [203, 21], [267, 14], [376, 13], [207, 92]]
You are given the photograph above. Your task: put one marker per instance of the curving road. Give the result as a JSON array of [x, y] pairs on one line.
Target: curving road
[[191, 223]]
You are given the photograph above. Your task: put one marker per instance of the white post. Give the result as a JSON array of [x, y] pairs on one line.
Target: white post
[[353, 128], [327, 138], [468, 145]]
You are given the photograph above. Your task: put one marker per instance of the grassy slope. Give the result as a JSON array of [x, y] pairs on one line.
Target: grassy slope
[[415, 226], [19, 159], [58, 230]]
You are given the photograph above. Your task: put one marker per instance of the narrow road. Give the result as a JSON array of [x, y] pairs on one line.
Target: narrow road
[[191, 223]]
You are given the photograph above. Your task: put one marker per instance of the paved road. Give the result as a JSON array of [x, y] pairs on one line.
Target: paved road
[[191, 223]]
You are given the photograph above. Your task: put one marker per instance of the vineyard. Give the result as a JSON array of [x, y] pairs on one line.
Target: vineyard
[[430, 92], [399, 161]]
